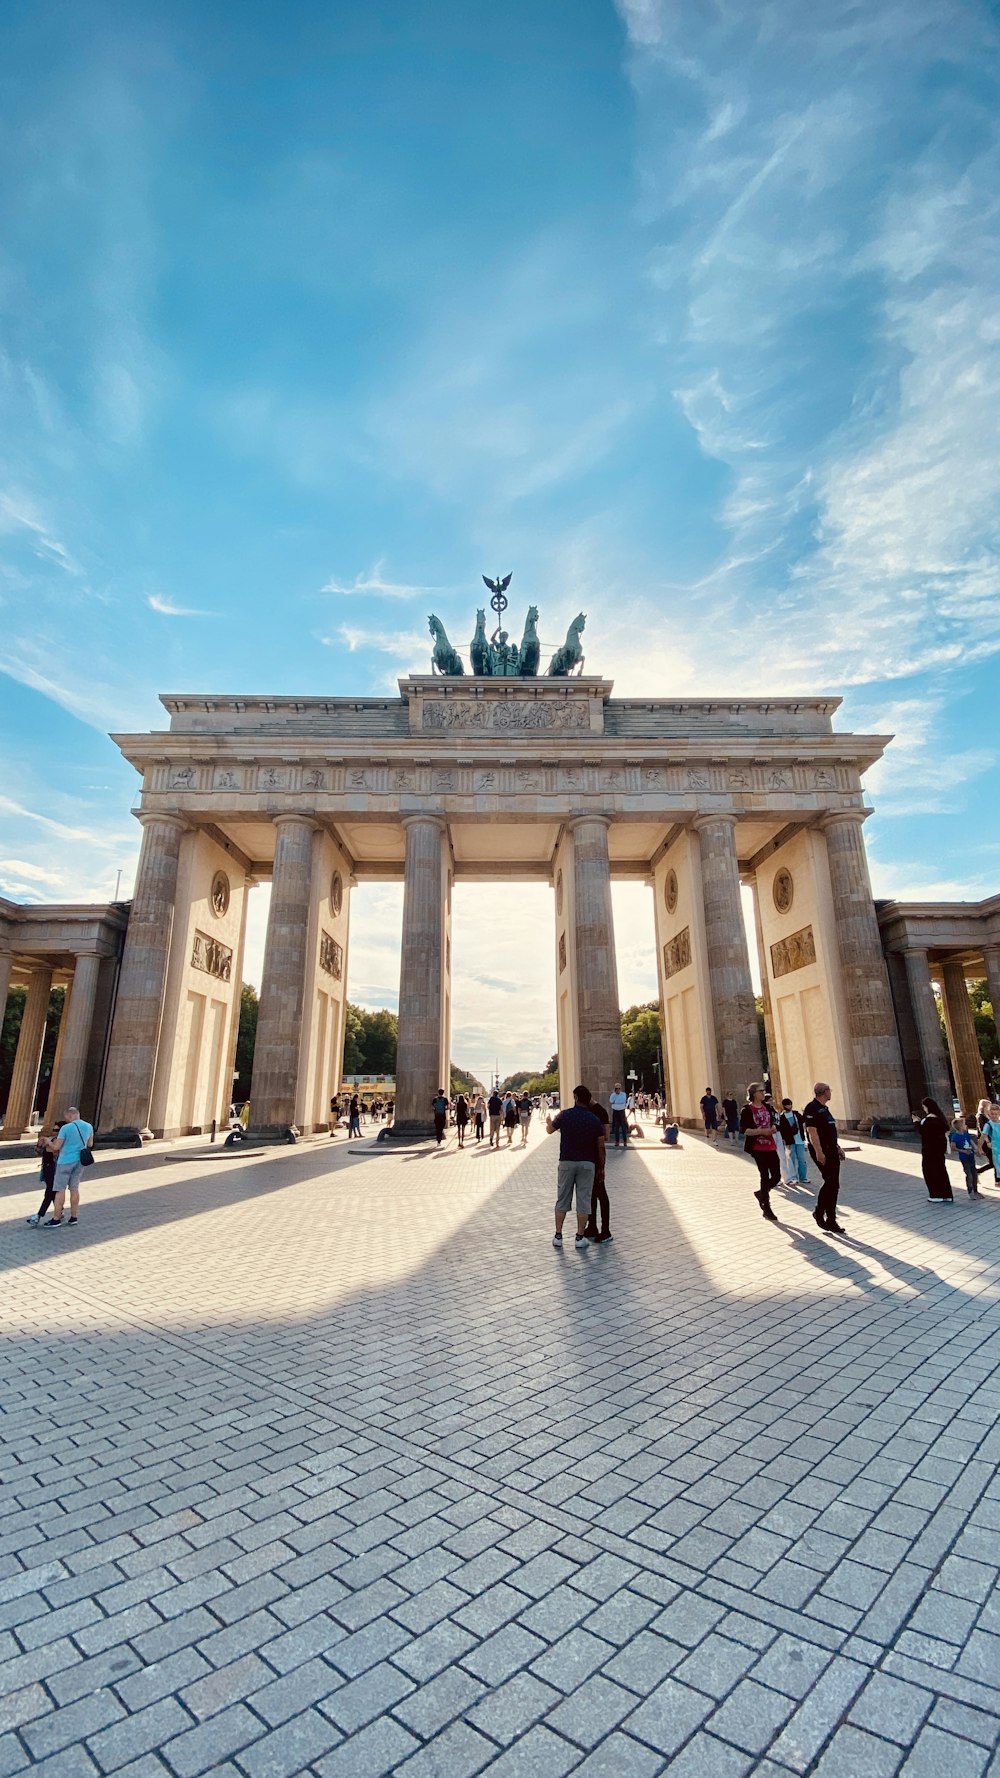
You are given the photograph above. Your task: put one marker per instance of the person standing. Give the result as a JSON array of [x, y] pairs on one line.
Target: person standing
[[334, 1114], [496, 1113], [524, 1117], [618, 1102], [75, 1136], [821, 1134], [599, 1224], [933, 1127], [581, 1146], [354, 1117], [731, 1114], [963, 1146], [509, 1118], [439, 1106], [710, 1113], [988, 1120], [461, 1118], [757, 1125], [479, 1116], [46, 1149], [793, 1135]]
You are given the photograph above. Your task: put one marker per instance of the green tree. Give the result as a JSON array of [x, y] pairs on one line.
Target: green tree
[[762, 1033], [984, 1015], [354, 1040], [462, 1081], [246, 1037], [13, 1014], [381, 1030], [641, 1040]]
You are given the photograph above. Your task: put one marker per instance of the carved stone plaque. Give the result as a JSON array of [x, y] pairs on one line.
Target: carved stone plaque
[[331, 956], [677, 952], [503, 715], [793, 952], [211, 956], [336, 892], [562, 952], [670, 891], [559, 892], [220, 894], [783, 890]]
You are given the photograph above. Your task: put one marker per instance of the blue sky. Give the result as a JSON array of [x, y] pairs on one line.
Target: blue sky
[[688, 314]]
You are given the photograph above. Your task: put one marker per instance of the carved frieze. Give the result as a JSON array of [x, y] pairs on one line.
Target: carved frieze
[[793, 952], [504, 715], [677, 952], [562, 952], [331, 956], [214, 958]]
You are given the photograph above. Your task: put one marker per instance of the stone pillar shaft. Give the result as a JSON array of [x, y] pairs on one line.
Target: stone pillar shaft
[[737, 1043], [5, 968], [282, 993], [875, 1046], [966, 1062], [598, 1011], [773, 1070], [28, 1055], [933, 1061], [135, 1035], [422, 967], [991, 967], [74, 1035]]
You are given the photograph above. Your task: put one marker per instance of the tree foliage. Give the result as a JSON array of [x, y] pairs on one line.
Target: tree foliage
[[245, 1040]]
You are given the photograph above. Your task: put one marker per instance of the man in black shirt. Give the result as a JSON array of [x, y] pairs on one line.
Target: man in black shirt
[[821, 1131]]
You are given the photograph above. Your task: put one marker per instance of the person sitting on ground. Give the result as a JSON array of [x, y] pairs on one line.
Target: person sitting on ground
[[581, 1147]]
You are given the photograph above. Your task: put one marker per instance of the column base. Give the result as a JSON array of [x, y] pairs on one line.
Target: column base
[[412, 1130], [269, 1136], [126, 1136]]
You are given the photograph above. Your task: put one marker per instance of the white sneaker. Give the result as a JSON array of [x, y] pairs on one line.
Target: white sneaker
[[581, 1241], [33, 1221], [557, 1241]]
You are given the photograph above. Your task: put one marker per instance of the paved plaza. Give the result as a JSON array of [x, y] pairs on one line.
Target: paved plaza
[[323, 1460]]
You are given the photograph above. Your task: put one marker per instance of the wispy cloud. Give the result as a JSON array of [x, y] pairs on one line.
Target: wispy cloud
[[403, 646], [373, 583], [167, 608], [19, 513]]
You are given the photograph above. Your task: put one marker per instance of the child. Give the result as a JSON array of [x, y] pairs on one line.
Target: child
[[963, 1146]]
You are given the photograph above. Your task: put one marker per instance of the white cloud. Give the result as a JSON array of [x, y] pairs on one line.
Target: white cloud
[[167, 608], [406, 647], [18, 512], [374, 583]]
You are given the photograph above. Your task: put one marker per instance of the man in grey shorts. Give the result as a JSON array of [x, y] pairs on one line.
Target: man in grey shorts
[[76, 1135], [581, 1145]]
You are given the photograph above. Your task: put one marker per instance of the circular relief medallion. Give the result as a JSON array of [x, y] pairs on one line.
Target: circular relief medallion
[[559, 892], [670, 891], [220, 893], [784, 890], [336, 892]]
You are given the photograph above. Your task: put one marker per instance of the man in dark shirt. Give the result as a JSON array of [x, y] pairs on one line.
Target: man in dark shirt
[[495, 1108], [581, 1147], [821, 1131], [600, 1207], [710, 1113]]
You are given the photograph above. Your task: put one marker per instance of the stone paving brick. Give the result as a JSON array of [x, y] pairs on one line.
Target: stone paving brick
[[503, 1654], [751, 1716], [539, 1754], [438, 1702], [890, 1708], [669, 1715], [589, 1714], [437, 1649], [373, 1753], [289, 1749], [505, 1713], [936, 1753], [199, 1749], [279, 1699], [458, 1752], [853, 1752], [360, 1701], [143, 1732], [59, 1729]]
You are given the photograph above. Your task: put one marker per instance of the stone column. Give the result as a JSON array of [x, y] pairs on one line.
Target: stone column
[[966, 1062], [421, 975], [773, 1067], [598, 1014], [282, 991], [234, 1029], [991, 967], [74, 1036], [874, 1039], [28, 1055], [737, 1044], [5, 967], [930, 1042], [135, 1033]]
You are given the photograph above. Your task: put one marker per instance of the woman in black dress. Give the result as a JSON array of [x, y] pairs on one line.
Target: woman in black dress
[[933, 1127], [461, 1118]]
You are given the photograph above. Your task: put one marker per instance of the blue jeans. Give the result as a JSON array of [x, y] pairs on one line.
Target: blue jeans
[[619, 1127], [796, 1162]]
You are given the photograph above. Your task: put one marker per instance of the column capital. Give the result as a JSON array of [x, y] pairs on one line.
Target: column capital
[[575, 821], [293, 818], [428, 820], [722, 819], [150, 818], [838, 817]]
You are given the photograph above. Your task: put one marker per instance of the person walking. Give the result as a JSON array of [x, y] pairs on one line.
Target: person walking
[[354, 1117], [509, 1118], [479, 1116], [731, 1114], [757, 1126], [581, 1146], [821, 1136], [524, 1109], [334, 1114], [710, 1113], [495, 1104], [963, 1146], [461, 1118], [933, 1127], [793, 1135], [618, 1102], [75, 1136], [45, 1148], [439, 1106]]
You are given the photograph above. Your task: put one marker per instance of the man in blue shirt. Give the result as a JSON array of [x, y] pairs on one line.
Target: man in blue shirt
[[73, 1138], [581, 1146]]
